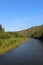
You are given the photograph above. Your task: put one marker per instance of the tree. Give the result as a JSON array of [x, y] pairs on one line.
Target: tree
[[1, 29]]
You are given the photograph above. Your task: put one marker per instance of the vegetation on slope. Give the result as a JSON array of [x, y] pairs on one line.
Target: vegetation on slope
[[35, 32], [10, 40], [38, 32]]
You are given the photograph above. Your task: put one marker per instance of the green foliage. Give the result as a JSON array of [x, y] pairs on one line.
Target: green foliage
[[9, 40], [1, 42], [1, 29], [38, 33], [4, 35]]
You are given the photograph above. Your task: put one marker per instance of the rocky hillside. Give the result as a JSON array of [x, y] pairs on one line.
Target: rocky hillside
[[35, 32]]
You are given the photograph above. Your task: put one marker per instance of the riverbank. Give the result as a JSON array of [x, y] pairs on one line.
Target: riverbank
[[10, 40], [14, 44]]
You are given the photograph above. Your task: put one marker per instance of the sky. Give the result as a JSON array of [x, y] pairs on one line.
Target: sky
[[16, 15]]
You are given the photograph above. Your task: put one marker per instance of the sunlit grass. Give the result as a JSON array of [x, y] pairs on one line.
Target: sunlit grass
[[9, 44]]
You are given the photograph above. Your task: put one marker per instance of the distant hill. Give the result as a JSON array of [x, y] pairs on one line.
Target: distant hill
[[35, 32]]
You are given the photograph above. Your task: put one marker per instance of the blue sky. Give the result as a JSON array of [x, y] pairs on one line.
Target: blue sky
[[18, 15]]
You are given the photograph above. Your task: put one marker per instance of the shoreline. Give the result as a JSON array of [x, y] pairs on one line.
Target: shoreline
[[8, 49]]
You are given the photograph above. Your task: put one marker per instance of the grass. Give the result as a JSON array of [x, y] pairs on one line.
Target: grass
[[9, 41]]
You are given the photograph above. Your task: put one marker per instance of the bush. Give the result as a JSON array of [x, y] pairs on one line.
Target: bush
[[0, 42], [4, 35]]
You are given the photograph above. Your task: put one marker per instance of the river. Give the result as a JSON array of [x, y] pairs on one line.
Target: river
[[29, 53]]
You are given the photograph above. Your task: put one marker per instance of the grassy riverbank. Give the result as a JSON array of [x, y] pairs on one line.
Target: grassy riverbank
[[9, 44], [10, 40]]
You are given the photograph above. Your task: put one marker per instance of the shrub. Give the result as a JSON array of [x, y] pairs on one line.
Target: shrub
[[0, 42]]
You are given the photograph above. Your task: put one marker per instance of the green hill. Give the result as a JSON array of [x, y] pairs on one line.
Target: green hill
[[10, 40], [35, 32], [38, 32]]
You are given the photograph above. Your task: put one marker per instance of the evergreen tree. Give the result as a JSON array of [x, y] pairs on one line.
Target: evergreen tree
[[1, 29]]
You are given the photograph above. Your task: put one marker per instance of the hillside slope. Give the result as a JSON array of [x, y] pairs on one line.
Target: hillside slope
[[38, 33], [35, 32], [10, 40]]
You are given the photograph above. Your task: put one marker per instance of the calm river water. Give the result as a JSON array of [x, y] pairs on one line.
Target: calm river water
[[29, 53]]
